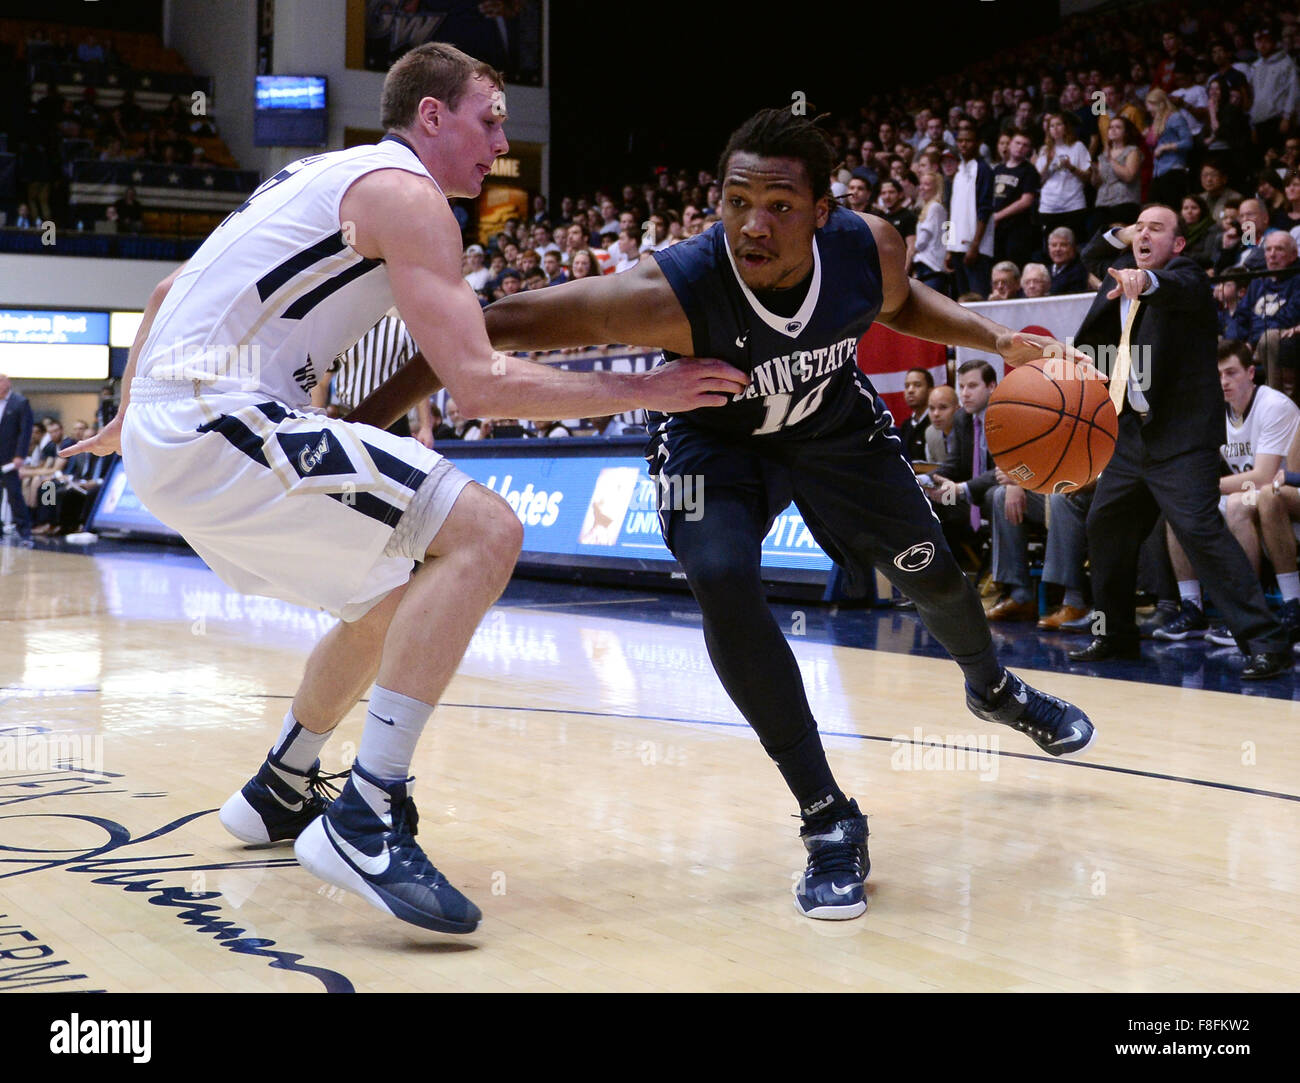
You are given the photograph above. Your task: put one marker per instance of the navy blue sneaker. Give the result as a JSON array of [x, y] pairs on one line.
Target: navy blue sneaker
[[1290, 617], [832, 887], [1057, 727], [272, 808], [375, 855]]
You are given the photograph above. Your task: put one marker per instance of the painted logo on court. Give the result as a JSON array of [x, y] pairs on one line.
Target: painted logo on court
[[916, 558]]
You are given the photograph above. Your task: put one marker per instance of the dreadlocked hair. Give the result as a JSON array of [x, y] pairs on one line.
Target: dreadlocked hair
[[778, 133]]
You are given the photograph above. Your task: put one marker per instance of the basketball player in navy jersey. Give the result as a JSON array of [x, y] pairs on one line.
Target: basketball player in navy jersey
[[783, 288]]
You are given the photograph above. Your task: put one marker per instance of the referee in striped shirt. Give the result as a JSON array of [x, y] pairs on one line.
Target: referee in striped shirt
[[359, 370]]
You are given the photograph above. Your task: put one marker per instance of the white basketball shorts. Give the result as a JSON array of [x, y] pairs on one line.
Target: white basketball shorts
[[282, 503]]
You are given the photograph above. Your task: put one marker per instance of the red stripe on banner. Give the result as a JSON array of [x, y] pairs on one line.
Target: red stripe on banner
[[885, 356]]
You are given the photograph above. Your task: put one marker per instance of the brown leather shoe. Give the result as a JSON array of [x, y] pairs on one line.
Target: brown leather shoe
[[1009, 610], [1053, 621]]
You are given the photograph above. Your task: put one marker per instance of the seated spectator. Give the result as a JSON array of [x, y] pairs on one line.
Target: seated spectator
[[535, 279], [627, 251], [1006, 282], [477, 274], [614, 425], [1035, 280], [856, 195], [90, 51], [1068, 272], [130, 215], [1261, 426], [1198, 225], [549, 429], [1287, 216], [24, 219], [555, 273], [584, 264], [40, 475], [941, 411], [1234, 316], [1227, 248], [511, 282], [113, 151], [1279, 514], [917, 385], [457, 425], [962, 484], [1274, 307], [1013, 507], [1216, 193], [1268, 190], [1254, 228]]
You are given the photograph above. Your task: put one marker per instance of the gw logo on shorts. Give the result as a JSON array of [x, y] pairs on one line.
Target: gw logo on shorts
[[916, 558]]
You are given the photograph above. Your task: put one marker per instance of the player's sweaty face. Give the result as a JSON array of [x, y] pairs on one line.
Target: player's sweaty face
[[475, 137], [769, 214]]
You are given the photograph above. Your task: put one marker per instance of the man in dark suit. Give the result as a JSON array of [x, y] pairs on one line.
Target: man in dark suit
[[1153, 328], [967, 475], [917, 385], [15, 439]]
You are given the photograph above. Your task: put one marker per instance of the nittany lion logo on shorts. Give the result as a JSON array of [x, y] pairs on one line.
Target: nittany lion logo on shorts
[[916, 558]]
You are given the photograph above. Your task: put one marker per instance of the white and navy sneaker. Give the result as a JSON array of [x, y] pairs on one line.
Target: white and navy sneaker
[[365, 842], [1057, 727], [273, 807], [832, 887], [1189, 624], [1221, 636]]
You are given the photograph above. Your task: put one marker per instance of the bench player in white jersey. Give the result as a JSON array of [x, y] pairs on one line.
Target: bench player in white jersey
[[218, 442], [1279, 528], [1260, 425]]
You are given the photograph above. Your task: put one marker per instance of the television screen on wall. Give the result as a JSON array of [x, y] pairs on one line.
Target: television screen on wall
[[290, 111]]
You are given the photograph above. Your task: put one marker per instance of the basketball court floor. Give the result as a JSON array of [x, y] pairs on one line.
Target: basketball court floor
[[590, 786]]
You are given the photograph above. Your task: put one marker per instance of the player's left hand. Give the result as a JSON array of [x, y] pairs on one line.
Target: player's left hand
[[425, 436]]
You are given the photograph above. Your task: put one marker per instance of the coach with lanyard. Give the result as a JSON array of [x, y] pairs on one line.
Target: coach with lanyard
[[1153, 330]]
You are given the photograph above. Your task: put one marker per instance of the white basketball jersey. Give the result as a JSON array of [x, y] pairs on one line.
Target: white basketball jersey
[[1267, 429], [276, 292]]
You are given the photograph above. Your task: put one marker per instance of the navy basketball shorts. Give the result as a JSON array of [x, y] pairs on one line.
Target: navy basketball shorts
[[857, 493]]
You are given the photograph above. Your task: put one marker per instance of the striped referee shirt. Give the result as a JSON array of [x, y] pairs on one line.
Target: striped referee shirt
[[377, 355]]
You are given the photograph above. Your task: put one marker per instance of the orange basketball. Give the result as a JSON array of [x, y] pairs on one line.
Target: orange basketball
[[1050, 431]]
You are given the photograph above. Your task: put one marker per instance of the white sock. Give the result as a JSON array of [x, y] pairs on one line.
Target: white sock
[[1073, 598], [393, 726], [1289, 584], [296, 747], [1189, 590]]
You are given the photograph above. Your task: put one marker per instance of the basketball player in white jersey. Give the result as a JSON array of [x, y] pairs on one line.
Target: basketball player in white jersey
[[217, 441], [1260, 426]]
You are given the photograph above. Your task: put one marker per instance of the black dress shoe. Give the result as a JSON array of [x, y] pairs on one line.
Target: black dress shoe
[[1260, 667], [1104, 648]]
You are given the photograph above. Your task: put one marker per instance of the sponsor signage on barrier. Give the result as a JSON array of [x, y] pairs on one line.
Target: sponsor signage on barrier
[[54, 344], [595, 508]]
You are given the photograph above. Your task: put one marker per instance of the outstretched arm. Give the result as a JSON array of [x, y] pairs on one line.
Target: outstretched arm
[[635, 308], [108, 441], [914, 309], [407, 223]]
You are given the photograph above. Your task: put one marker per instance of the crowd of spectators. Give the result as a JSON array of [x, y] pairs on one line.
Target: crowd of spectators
[[57, 130], [58, 490]]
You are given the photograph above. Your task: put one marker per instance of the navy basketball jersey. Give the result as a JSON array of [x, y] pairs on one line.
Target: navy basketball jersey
[[805, 381]]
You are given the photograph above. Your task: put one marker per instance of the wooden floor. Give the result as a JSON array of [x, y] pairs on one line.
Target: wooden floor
[[589, 785]]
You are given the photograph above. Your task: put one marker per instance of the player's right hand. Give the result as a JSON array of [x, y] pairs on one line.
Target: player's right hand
[[690, 383]]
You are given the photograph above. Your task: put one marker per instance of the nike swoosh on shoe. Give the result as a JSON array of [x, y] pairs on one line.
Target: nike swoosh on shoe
[[371, 865]]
